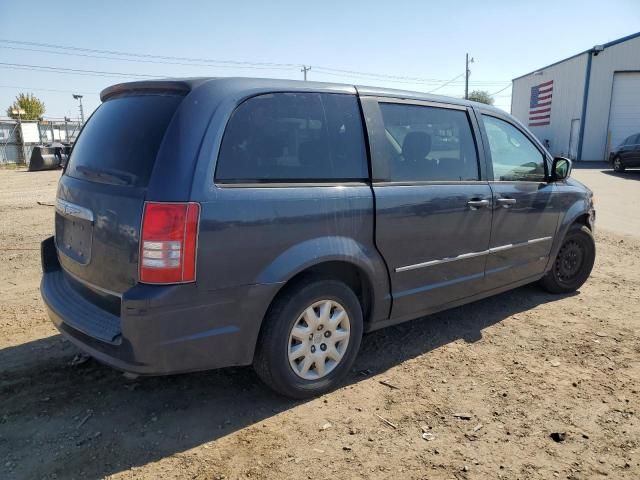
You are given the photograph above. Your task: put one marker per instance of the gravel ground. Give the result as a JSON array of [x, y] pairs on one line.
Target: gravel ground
[[489, 384]]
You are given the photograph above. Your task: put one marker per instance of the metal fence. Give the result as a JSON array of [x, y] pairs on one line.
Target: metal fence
[[17, 138]]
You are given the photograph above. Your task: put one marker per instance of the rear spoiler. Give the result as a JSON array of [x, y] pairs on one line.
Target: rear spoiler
[[174, 87]]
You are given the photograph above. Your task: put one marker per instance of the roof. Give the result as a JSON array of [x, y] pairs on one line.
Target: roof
[[592, 49], [244, 86]]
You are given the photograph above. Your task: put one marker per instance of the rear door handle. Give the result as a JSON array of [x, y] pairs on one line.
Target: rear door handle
[[476, 204], [506, 202]]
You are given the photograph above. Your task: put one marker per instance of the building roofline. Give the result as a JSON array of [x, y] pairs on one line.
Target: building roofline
[[604, 46]]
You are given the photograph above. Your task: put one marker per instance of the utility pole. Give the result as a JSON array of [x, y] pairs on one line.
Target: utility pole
[[467, 72], [304, 70], [79, 98]]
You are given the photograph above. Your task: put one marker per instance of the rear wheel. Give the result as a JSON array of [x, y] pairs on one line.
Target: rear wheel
[[618, 166], [310, 338], [574, 262]]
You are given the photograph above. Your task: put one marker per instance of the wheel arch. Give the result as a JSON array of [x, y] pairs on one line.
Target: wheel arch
[[577, 214], [341, 258]]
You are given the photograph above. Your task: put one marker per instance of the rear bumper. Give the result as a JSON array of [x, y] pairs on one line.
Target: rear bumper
[[160, 329]]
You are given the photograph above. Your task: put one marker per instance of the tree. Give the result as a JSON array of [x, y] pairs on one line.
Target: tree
[[33, 107], [481, 96]]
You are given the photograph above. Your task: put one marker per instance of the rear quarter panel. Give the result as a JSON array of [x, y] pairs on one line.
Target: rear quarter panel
[[266, 235]]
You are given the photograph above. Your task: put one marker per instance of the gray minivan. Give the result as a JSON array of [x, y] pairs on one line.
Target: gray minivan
[[205, 223]]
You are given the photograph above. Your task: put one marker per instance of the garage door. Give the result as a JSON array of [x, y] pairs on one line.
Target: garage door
[[624, 115]]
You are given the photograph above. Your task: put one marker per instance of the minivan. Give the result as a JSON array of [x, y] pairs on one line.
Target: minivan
[[214, 222]]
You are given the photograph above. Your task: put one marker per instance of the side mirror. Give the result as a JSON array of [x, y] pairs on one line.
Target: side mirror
[[561, 168]]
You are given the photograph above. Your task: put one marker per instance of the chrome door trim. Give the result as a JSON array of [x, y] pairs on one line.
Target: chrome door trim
[[72, 210], [431, 263], [464, 256]]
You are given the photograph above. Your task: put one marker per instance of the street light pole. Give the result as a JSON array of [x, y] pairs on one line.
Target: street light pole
[[79, 98]]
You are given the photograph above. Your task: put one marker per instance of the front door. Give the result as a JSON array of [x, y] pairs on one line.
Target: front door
[[433, 202], [525, 216]]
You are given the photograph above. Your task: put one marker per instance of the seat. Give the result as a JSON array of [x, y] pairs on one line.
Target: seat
[[416, 166]]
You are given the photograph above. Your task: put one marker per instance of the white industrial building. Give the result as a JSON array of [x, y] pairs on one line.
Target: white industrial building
[[585, 105]]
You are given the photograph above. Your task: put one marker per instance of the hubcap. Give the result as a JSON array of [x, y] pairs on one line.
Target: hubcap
[[569, 261], [319, 339]]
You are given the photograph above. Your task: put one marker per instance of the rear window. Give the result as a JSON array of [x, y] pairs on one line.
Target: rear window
[[120, 142], [294, 137]]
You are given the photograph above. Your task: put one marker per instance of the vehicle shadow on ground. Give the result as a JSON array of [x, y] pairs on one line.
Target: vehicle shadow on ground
[[626, 175], [86, 421]]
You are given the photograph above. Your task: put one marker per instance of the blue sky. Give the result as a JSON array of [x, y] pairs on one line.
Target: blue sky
[[422, 39]]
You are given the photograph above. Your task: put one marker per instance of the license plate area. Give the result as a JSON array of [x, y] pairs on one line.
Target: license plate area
[[74, 237]]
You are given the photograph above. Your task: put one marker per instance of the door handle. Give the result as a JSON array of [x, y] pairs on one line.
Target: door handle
[[506, 202], [476, 204]]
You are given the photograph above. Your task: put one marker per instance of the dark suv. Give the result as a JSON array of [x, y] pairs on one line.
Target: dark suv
[[627, 154], [206, 223]]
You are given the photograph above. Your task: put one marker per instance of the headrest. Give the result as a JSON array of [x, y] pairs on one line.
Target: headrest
[[416, 146]]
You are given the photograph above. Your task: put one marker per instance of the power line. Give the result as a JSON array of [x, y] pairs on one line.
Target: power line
[[147, 55], [501, 90], [46, 89], [447, 83], [102, 57], [76, 71], [176, 60], [411, 82], [205, 60]]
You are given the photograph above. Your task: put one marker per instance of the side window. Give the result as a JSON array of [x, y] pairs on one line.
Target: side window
[[294, 137], [513, 155], [429, 143]]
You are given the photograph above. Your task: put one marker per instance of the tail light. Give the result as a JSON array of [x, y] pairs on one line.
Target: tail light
[[168, 242]]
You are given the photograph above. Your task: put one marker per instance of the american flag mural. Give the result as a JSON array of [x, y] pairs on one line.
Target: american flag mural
[[540, 104]]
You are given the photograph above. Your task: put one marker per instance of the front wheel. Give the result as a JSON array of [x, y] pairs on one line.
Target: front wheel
[[310, 338], [618, 166], [574, 262]]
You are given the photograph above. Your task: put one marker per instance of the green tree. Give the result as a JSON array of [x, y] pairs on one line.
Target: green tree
[[33, 107], [481, 96]]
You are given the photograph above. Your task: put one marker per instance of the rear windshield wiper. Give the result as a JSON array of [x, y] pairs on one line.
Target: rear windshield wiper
[[110, 176]]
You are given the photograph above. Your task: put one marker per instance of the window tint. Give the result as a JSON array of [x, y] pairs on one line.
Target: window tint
[[294, 137], [632, 140], [513, 155], [428, 143], [120, 142]]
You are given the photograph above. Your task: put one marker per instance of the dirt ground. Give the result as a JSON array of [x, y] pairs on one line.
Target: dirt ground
[[489, 383]]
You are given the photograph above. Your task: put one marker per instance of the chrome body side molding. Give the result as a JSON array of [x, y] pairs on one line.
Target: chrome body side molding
[[464, 256]]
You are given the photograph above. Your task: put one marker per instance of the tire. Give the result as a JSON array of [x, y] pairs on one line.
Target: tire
[[618, 166], [313, 341], [573, 263]]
